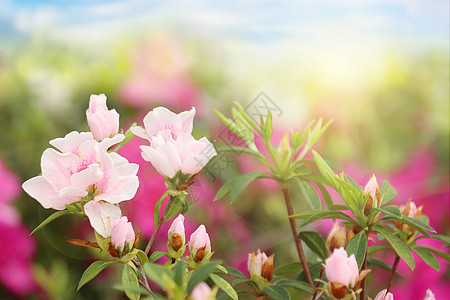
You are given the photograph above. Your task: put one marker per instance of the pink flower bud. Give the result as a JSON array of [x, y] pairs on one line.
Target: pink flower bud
[[102, 122], [176, 233], [384, 295], [412, 211], [429, 295], [199, 244], [337, 237], [341, 269], [373, 191], [102, 216], [122, 234], [201, 292], [260, 265]]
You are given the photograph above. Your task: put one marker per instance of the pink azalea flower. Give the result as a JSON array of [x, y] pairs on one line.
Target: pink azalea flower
[[102, 122], [122, 234], [342, 269], [102, 216], [384, 295], [429, 295], [83, 162], [172, 147]]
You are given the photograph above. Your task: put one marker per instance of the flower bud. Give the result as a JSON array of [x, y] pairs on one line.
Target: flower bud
[[176, 235], [202, 292], [429, 295], [384, 295], [199, 244], [336, 237], [373, 191], [342, 272], [260, 265], [102, 122], [350, 234], [409, 210], [122, 235]]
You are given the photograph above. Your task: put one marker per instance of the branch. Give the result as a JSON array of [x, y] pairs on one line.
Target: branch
[[298, 243], [394, 268], [158, 226]]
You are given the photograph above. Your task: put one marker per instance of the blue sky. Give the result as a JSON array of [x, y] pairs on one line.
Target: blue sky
[[254, 21]]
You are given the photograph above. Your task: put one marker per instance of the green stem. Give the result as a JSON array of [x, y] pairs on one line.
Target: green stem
[[363, 283], [301, 253], [158, 226]]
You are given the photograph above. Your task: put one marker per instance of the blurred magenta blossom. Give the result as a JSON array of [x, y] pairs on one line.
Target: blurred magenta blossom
[[17, 247]]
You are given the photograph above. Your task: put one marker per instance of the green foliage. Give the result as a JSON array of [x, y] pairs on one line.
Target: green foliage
[[201, 274], [237, 185], [92, 271], [358, 246], [398, 245], [277, 292], [224, 286], [129, 278], [315, 243], [309, 194], [50, 218]]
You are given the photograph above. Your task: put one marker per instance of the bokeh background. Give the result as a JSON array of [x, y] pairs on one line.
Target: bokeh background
[[379, 68]]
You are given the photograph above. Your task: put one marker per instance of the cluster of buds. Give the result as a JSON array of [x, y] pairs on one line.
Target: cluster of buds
[[372, 191], [260, 269], [199, 243], [412, 211], [343, 273], [123, 239]]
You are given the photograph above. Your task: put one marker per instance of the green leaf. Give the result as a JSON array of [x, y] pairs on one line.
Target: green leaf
[[435, 251], [180, 270], [236, 185], [131, 288], [224, 286], [334, 165], [323, 214], [156, 255], [325, 169], [387, 192], [381, 264], [243, 280], [373, 249], [391, 210], [314, 269], [201, 274], [52, 217], [235, 149], [440, 237], [428, 258], [326, 196], [143, 259], [129, 278], [128, 137], [417, 224], [288, 269], [158, 273], [157, 210], [299, 285], [315, 243], [277, 292], [92, 271], [358, 246], [309, 194], [352, 182], [175, 207], [236, 273], [269, 128], [398, 245]]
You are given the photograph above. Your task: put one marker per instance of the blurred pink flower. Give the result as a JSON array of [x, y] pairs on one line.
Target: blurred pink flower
[[17, 247], [102, 122], [160, 75], [202, 292]]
